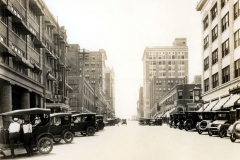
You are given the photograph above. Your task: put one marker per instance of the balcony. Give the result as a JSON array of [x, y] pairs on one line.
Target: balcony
[[37, 68], [21, 24], [38, 43], [37, 7], [4, 48], [50, 24], [23, 61], [50, 77], [50, 54]]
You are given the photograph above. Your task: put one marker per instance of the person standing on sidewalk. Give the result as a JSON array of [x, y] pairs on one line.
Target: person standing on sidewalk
[[13, 129], [28, 137]]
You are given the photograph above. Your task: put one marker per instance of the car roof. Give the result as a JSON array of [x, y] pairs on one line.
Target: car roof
[[99, 115], [26, 112], [60, 114], [87, 114]]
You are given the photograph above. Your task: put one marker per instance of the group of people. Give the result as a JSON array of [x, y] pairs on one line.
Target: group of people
[[14, 131]]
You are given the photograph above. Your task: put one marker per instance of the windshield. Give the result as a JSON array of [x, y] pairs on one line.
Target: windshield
[[207, 116], [222, 116]]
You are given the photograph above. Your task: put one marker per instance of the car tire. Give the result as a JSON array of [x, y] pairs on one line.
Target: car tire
[[232, 137], [210, 133], [57, 140], [45, 145], [199, 131], [68, 137], [222, 133], [100, 126], [90, 131]]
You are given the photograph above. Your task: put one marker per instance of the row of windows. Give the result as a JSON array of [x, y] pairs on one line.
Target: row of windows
[[225, 76], [167, 57], [167, 62], [169, 53]]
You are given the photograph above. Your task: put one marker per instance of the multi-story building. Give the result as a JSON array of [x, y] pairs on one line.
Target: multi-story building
[[197, 79], [140, 103], [220, 51], [163, 68], [110, 90], [87, 67], [33, 47]]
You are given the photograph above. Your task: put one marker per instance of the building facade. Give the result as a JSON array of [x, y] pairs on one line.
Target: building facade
[[220, 50], [32, 59], [140, 103], [163, 68], [110, 90]]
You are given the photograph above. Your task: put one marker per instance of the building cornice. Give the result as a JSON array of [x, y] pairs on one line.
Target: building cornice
[[200, 5]]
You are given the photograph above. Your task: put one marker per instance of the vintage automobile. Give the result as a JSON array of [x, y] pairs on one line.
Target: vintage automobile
[[153, 122], [110, 121], [85, 123], [234, 129], [60, 127], [175, 121], [192, 118], [181, 119], [221, 118], [42, 137], [141, 121], [124, 121], [100, 122], [207, 118]]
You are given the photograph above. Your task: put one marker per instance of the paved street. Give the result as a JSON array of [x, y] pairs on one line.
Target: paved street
[[134, 142]]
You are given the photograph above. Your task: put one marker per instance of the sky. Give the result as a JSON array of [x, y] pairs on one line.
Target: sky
[[123, 28]]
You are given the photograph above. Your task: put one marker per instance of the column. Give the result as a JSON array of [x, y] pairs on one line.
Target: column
[[5, 101], [25, 99]]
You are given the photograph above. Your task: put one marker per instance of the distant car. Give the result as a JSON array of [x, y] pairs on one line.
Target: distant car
[[85, 123], [207, 118], [100, 122], [192, 118], [124, 121]]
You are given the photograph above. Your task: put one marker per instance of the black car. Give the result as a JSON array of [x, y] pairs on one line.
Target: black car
[[207, 118], [42, 137], [181, 119], [192, 118], [100, 122], [174, 121], [85, 123], [124, 121], [60, 127]]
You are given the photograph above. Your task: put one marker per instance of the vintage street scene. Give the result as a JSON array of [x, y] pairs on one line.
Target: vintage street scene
[[123, 79]]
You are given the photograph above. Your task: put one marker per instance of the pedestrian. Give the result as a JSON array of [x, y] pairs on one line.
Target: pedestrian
[[28, 137], [13, 129]]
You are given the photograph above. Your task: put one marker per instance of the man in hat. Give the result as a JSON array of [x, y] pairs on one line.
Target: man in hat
[[13, 129], [28, 137]]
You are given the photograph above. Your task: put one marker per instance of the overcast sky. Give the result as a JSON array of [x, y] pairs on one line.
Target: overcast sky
[[123, 28]]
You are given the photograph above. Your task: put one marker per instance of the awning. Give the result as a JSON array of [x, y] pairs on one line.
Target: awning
[[203, 107], [50, 77], [211, 105], [231, 101], [38, 43], [37, 8], [49, 53], [4, 48], [172, 111], [57, 105], [68, 87], [23, 61], [221, 102]]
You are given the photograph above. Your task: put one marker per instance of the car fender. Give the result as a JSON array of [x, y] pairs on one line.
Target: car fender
[[49, 135]]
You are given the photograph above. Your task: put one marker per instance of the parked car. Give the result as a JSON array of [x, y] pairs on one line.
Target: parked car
[[192, 118], [110, 121], [234, 129], [221, 118], [174, 122], [124, 121], [85, 123], [141, 121], [100, 122], [207, 118], [181, 119], [42, 137], [60, 127]]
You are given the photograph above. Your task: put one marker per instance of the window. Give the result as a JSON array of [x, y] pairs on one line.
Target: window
[[215, 80], [225, 22], [223, 3], [237, 68], [236, 10], [206, 42], [214, 11], [215, 33], [180, 95], [236, 39], [3, 16], [206, 63], [225, 74], [206, 85], [225, 48], [205, 23], [215, 57]]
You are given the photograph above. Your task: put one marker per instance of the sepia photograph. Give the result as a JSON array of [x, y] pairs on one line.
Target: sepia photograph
[[120, 79]]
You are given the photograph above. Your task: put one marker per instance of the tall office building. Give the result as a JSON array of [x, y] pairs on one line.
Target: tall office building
[[220, 52], [110, 90], [163, 68]]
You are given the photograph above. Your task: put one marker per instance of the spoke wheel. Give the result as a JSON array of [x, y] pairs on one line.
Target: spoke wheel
[[232, 137], [222, 133], [45, 145], [68, 137], [56, 140], [199, 131], [90, 131]]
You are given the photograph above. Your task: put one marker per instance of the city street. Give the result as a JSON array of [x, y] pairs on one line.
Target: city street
[[134, 142]]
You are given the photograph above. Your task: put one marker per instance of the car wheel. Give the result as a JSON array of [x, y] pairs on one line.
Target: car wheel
[[56, 140], [210, 133], [186, 128], [97, 128], [180, 127], [100, 126], [68, 137], [45, 145], [222, 133], [90, 131], [83, 134], [199, 131], [232, 137]]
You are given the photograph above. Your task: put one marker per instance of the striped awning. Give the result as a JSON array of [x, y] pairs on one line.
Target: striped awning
[[211, 105], [220, 104], [231, 101]]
